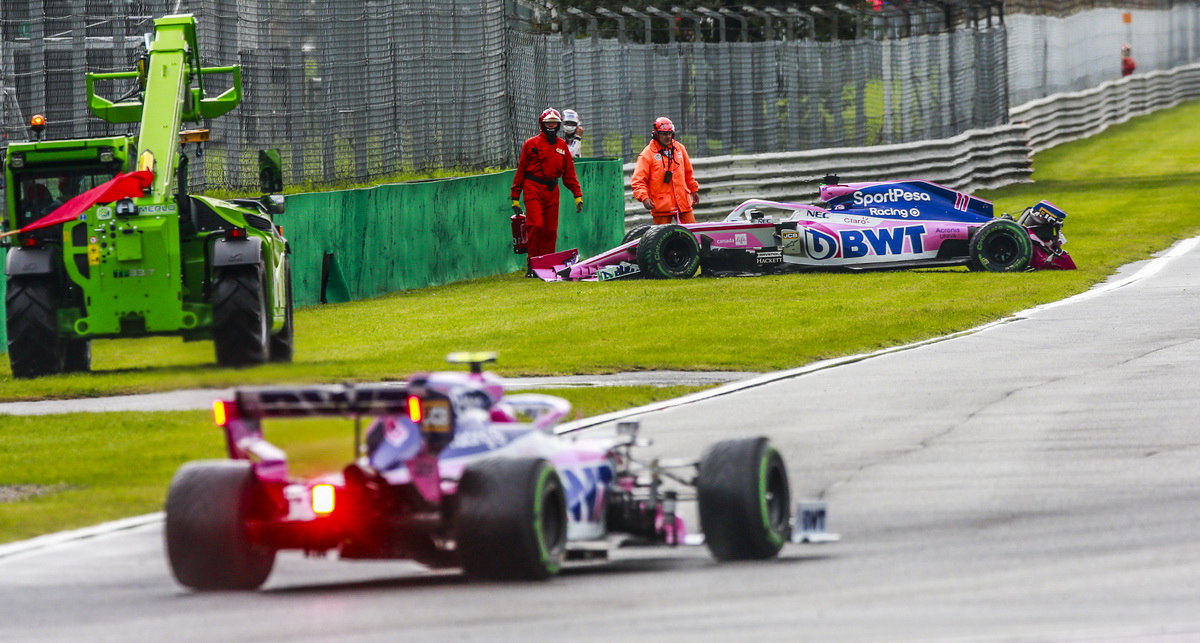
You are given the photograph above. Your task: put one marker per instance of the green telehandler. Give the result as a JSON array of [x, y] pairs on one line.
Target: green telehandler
[[166, 263]]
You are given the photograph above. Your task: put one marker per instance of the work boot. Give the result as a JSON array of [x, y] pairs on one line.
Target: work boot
[[530, 273]]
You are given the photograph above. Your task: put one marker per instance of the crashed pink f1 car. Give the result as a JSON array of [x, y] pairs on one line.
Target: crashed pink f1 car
[[861, 226]]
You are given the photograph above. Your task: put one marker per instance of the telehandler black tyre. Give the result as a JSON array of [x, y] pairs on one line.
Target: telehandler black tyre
[[78, 356], [241, 320], [283, 341], [34, 346]]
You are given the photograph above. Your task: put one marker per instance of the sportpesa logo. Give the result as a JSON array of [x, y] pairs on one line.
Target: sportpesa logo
[[890, 196]]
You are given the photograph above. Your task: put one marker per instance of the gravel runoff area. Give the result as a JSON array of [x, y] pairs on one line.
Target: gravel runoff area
[[189, 400], [15, 492]]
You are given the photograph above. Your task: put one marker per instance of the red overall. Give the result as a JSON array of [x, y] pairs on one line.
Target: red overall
[[542, 164]]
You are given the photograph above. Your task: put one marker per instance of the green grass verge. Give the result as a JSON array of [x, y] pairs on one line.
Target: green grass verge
[[1129, 193], [95, 467]]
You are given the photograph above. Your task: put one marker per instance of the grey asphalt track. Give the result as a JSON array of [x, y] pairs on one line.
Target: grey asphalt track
[[1038, 480]]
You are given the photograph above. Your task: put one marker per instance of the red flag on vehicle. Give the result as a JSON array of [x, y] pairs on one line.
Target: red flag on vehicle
[[122, 186]]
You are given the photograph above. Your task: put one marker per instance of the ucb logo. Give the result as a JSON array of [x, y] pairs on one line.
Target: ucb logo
[[820, 246]]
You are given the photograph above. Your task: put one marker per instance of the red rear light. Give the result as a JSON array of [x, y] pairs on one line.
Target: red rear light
[[414, 409], [322, 498], [31, 242], [237, 233]]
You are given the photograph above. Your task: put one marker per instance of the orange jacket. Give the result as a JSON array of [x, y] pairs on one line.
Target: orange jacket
[[652, 166]]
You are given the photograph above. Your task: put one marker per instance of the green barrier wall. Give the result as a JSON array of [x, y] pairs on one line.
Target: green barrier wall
[[411, 235]]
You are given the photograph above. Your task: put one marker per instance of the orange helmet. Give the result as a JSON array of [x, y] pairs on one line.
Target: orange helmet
[[663, 124]]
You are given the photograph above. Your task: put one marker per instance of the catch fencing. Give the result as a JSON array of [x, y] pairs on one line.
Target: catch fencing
[[770, 96], [352, 91], [1051, 54], [1071, 116]]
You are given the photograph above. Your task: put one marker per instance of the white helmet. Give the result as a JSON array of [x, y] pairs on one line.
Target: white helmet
[[570, 121]]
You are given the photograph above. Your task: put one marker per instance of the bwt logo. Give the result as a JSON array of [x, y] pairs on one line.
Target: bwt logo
[[890, 196], [863, 243]]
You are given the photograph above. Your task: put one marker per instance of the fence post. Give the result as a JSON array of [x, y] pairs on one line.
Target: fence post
[[621, 37], [720, 19], [647, 37], [668, 18]]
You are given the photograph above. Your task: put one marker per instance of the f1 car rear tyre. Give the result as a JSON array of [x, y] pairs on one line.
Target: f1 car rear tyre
[[668, 251], [281, 342], [745, 504], [241, 319], [78, 356], [207, 542], [636, 232], [512, 519], [1000, 245], [34, 346]]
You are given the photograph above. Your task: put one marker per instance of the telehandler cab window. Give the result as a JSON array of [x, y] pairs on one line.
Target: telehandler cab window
[[38, 194]]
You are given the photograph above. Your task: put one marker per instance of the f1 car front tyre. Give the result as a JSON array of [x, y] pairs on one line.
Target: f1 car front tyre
[[668, 251], [207, 543], [241, 318], [744, 500], [34, 346], [1000, 245], [512, 519], [636, 232]]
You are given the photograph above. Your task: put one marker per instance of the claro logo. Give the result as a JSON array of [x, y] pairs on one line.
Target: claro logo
[[890, 196]]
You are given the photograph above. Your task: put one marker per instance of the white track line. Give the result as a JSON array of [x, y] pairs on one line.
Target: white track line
[[50, 540]]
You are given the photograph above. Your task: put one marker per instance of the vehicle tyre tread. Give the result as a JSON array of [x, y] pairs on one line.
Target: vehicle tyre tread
[[241, 327], [506, 506], [282, 343], [738, 521], [636, 232], [654, 252], [206, 538], [983, 238], [34, 347]]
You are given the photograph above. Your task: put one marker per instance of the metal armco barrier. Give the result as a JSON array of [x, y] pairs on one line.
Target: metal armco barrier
[[973, 160], [1063, 118]]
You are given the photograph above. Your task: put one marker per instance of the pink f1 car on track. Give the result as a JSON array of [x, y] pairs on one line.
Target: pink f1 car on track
[[863, 226], [452, 472]]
